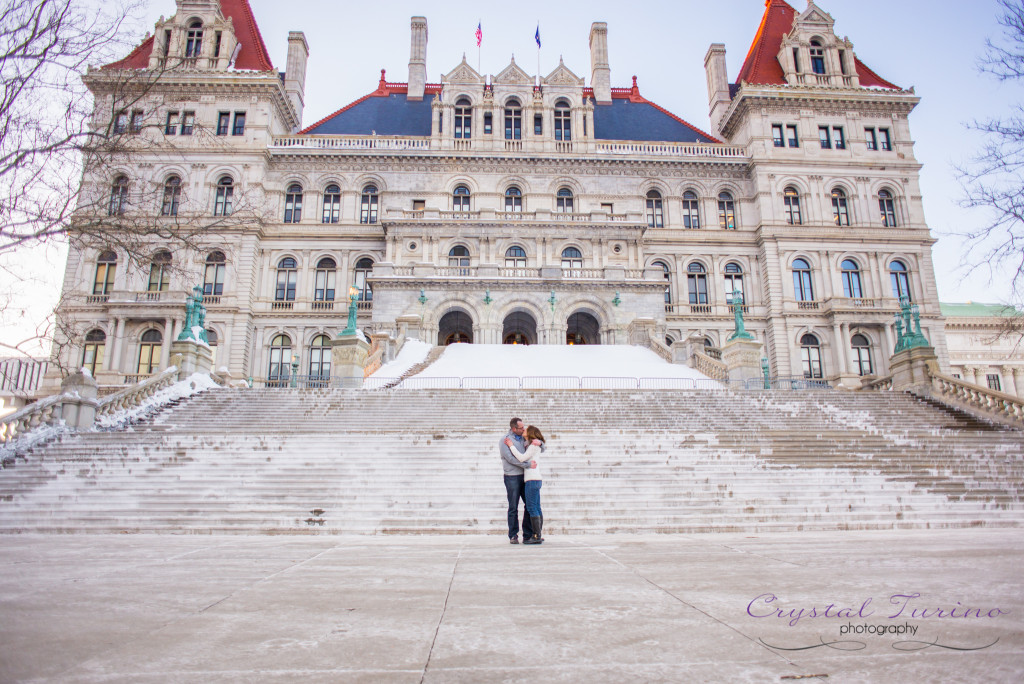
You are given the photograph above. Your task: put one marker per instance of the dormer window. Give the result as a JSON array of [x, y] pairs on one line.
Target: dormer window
[[463, 119], [817, 57], [194, 40], [513, 120]]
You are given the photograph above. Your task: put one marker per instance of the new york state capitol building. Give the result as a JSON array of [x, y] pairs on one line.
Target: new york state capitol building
[[510, 208]]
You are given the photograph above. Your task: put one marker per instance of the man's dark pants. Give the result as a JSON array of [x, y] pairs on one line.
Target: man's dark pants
[[514, 486]]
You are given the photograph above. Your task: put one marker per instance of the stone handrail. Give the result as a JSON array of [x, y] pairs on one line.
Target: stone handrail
[[669, 149], [374, 357], [878, 384], [351, 142], [710, 367], [130, 397], [998, 406], [43, 412]]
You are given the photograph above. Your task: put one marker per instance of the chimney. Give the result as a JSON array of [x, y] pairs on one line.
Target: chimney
[[418, 59], [295, 71], [600, 72], [718, 83]]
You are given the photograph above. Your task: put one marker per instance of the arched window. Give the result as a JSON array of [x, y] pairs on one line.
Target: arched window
[[323, 288], [791, 200], [460, 199], [515, 257], [513, 199], [213, 341], [225, 194], [287, 276], [279, 369], [332, 204], [668, 283], [463, 119], [861, 355], [802, 287], [887, 208], [840, 215], [691, 210], [697, 280], [733, 282], [817, 57], [364, 267], [368, 205], [194, 39], [513, 120], [160, 272], [293, 204], [172, 196], [563, 118], [564, 201], [320, 361], [92, 353], [458, 257], [106, 267], [655, 217], [149, 352], [572, 262], [899, 276], [118, 196], [213, 278], [851, 279], [810, 355], [726, 211]]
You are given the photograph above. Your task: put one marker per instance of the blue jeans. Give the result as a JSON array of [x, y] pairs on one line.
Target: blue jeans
[[531, 493], [514, 490]]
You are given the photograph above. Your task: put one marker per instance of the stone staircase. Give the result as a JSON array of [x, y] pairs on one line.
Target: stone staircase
[[410, 461]]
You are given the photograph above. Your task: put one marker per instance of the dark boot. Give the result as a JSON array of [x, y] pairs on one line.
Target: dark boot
[[538, 523]]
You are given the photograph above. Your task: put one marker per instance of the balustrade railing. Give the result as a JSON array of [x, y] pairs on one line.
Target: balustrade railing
[[1000, 406], [669, 149], [350, 143], [134, 396], [713, 368]]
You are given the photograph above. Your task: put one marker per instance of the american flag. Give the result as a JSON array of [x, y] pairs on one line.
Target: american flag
[[479, 35]]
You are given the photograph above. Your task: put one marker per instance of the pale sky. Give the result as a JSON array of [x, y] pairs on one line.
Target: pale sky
[[931, 45]]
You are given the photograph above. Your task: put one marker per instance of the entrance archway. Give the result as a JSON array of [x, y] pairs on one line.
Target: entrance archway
[[519, 328], [455, 327], [582, 328]]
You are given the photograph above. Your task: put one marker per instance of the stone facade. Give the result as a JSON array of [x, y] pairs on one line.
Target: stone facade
[[515, 207], [985, 345]]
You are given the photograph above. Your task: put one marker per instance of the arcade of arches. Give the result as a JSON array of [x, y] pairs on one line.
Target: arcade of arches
[[518, 327]]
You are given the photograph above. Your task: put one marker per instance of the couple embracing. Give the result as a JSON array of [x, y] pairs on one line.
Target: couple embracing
[[519, 450]]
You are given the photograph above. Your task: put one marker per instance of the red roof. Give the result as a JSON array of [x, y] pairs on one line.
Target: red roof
[[253, 55], [762, 65]]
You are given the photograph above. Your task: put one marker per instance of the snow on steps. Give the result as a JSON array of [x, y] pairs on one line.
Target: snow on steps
[[411, 461]]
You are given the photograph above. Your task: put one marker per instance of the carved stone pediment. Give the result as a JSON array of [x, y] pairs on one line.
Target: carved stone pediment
[[463, 73], [563, 76], [815, 18], [513, 75]]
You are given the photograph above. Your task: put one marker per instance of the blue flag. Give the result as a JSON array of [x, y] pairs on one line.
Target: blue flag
[[536, 36]]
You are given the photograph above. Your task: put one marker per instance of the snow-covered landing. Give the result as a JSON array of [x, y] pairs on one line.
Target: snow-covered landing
[[468, 362]]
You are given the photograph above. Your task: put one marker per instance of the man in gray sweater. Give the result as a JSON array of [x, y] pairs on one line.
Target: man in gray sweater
[[513, 468]]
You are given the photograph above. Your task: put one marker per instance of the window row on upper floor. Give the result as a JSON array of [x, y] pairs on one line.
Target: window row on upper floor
[[840, 205], [560, 121], [161, 270], [179, 122], [831, 136]]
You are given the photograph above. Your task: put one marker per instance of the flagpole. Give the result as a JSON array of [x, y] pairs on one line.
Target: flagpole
[[538, 52], [479, 23]]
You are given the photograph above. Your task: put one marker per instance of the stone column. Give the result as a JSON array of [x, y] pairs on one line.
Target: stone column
[[1018, 380], [116, 340], [840, 346], [1009, 383], [165, 348], [971, 374]]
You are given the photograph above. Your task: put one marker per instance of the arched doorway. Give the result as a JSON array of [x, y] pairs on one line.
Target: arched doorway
[[455, 327], [519, 328], [582, 328]]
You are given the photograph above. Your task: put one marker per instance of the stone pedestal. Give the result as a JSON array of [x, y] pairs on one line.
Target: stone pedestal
[[78, 408], [909, 368], [348, 359], [742, 358], [191, 357]]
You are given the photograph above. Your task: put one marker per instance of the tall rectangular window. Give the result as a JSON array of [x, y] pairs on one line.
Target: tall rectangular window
[[188, 122], [794, 141], [777, 139], [172, 124], [884, 141], [120, 122], [538, 124], [488, 123], [239, 127], [870, 138], [136, 124], [994, 382], [838, 137], [223, 121], [824, 138]]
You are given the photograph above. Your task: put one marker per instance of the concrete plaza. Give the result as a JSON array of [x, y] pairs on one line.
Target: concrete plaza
[[594, 608]]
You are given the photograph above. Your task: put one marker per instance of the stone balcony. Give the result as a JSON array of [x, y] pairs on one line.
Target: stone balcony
[[497, 145], [612, 274], [489, 215]]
